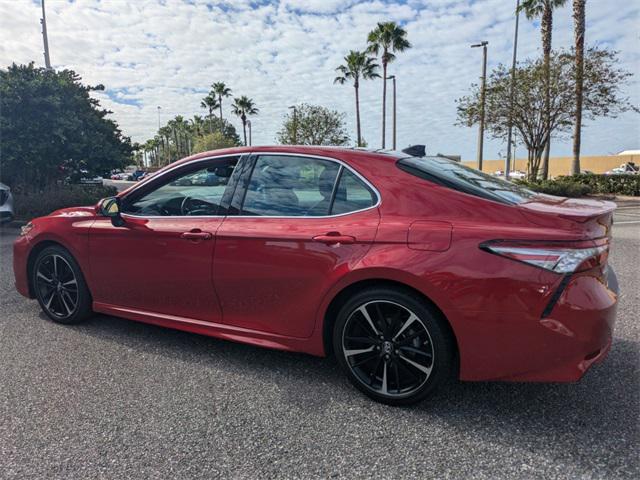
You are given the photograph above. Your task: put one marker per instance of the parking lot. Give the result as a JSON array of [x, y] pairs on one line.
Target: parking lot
[[117, 399]]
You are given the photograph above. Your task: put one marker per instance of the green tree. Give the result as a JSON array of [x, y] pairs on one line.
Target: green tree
[[385, 40], [602, 98], [197, 126], [210, 103], [51, 127], [221, 90], [314, 125], [544, 9], [357, 65], [213, 141], [578, 31], [243, 107], [179, 137]]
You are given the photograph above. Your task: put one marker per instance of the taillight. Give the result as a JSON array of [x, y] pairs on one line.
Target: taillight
[[559, 257]]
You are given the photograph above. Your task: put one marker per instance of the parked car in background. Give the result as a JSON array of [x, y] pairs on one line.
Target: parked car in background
[[83, 177], [6, 204], [122, 176], [628, 168], [515, 174], [137, 175], [408, 269], [97, 180]]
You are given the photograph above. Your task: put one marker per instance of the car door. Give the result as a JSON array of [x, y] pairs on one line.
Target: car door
[[296, 224], [160, 259]]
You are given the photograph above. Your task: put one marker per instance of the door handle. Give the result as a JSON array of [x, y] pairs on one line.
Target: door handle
[[196, 235], [334, 238]]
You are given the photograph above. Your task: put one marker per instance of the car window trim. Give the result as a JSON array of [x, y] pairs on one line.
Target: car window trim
[[341, 163], [334, 190], [148, 186]]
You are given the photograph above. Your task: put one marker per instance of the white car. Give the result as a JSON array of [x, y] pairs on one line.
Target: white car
[[6, 204], [517, 174], [628, 168]]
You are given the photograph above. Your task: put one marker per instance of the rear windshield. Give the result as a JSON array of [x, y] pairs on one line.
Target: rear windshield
[[454, 175]]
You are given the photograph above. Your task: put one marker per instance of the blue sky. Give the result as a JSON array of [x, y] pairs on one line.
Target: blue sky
[[167, 53]]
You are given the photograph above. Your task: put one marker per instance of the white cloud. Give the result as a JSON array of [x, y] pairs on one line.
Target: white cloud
[[149, 53]]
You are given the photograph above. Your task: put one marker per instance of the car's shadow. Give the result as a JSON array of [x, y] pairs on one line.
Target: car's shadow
[[566, 421]]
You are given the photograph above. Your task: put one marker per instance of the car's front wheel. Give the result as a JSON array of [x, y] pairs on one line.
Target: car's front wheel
[[392, 345], [60, 287]]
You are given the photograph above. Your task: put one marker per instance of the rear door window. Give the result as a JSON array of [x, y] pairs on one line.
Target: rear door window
[[352, 194], [290, 186]]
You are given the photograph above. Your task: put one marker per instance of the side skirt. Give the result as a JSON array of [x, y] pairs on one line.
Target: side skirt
[[217, 330]]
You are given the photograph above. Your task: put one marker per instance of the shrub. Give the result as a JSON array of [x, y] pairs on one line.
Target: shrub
[[558, 188], [30, 204], [616, 184], [587, 183]]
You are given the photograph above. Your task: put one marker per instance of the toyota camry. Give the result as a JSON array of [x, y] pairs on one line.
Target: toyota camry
[[408, 268]]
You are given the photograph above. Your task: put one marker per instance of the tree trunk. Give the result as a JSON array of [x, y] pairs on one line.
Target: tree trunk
[[547, 31], [358, 114], [532, 168], [578, 20], [384, 99], [244, 128], [220, 105], [210, 120]]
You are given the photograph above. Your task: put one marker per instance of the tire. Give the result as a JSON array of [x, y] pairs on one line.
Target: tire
[[60, 287], [401, 353]]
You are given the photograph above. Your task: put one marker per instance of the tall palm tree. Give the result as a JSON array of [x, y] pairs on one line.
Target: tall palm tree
[[544, 9], [388, 38], [357, 65], [221, 90], [210, 102], [578, 30], [243, 107]]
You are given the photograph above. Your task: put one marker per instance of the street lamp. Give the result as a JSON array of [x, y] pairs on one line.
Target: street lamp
[[295, 124], [483, 89], [393, 77], [512, 89], [45, 40], [159, 108], [249, 125]]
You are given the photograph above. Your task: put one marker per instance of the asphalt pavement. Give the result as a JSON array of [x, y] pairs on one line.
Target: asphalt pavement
[[115, 399]]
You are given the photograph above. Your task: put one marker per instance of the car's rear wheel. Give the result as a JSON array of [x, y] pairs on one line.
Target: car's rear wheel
[[392, 345], [60, 287]]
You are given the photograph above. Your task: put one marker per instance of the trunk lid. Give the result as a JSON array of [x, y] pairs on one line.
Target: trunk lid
[[579, 218]]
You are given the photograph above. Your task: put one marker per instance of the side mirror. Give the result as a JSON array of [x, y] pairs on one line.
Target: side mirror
[[110, 207]]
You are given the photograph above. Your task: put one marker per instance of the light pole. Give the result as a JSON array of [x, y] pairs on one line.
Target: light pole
[[249, 125], [512, 89], [393, 77], [43, 21], [295, 124], [483, 89], [159, 108]]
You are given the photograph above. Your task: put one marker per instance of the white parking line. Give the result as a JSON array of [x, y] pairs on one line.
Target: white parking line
[[623, 223]]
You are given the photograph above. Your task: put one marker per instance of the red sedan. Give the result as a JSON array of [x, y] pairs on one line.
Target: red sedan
[[409, 269]]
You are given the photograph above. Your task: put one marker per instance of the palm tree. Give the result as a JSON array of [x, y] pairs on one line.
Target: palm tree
[[357, 65], [578, 30], [221, 90], [197, 125], [544, 9], [387, 37], [210, 102], [242, 107]]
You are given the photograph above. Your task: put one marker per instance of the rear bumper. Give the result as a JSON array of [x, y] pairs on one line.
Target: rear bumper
[[561, 347]]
